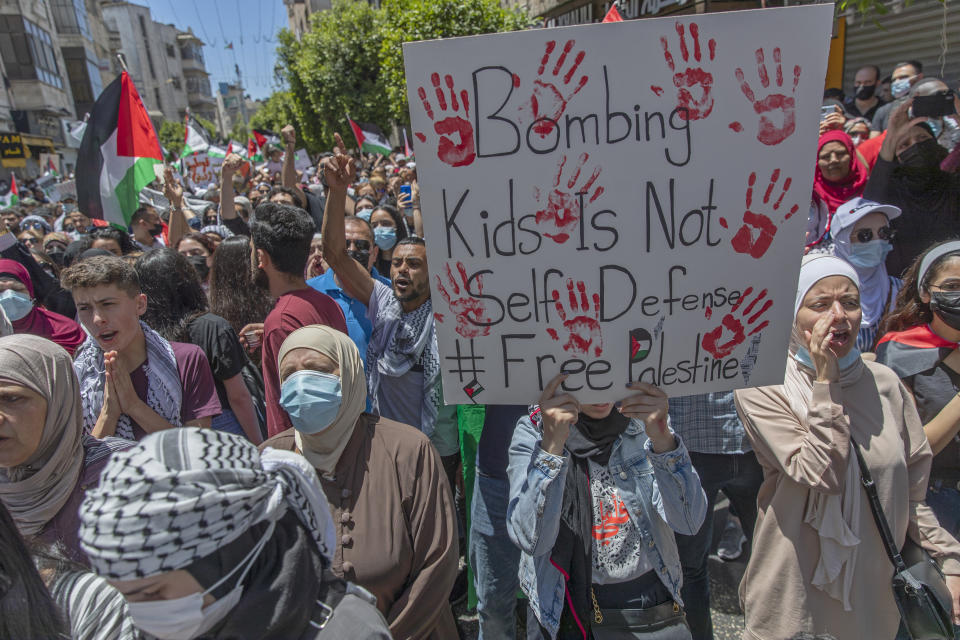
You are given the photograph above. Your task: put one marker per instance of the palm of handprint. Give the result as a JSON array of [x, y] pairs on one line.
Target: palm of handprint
[[581, 322], [471, 313], [757, 231], [772, 129], [551, 91], [561, 212], [732, 331], [455, 145]]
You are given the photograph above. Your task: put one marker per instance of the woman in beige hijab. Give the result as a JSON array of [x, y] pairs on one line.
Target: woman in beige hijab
[[46, 464], [818, 562], [386, 488]]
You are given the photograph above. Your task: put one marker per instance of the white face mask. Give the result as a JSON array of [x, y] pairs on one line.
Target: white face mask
[[185, 618]]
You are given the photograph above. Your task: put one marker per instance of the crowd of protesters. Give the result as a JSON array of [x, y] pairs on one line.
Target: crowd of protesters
[[226, 421]]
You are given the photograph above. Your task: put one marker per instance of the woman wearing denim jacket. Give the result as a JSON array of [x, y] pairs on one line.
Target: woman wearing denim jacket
[[595, 498]]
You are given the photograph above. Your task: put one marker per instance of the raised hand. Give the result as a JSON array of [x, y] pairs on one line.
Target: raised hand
[[471, 313], [231, 164], [732, 331], [558, 413], [757, 231], [551, 90], [172, 189], [561, 212], [289, 134], [581, 322], [825, 361], [455, 145], [777, 111], [694, 85], [339, 170]]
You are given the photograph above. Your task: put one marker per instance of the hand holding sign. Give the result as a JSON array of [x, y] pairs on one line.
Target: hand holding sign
[[731, 333], [470, 311], [692, 79], [455, 153], [757, 231], [580, 323], [557, 413], [650, 404], [770, 132], [549, 101]]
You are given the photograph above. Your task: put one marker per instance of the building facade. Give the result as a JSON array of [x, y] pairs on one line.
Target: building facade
[[299, 12]]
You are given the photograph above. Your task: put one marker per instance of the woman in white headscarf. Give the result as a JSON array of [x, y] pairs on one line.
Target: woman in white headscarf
[[818, 562], [391, 503], [862, 237]]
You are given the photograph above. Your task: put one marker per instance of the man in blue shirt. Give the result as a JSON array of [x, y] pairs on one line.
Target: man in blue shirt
[[361, 248]]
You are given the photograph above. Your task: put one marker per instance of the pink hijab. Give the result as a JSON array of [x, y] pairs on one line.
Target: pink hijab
[[41, 322], [834, 194]]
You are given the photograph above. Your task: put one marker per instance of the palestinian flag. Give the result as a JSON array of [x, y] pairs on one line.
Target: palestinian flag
[[265, 137], [51, 169], [117, 155], [237, 148], [253, 151], [913, 351], [613, 15], [369, 137], [195, 138], [216, 152], [12, 196]]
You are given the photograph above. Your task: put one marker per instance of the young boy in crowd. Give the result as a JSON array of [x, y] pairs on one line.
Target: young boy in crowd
[[132, 381]]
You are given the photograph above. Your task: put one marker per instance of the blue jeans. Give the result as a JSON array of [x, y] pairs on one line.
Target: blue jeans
[[739, 476], [944, 498], [228, 423], [494, 558]]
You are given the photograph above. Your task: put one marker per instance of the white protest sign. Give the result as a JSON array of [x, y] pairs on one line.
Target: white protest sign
[[618, 201], [301, 161], [201, 169]]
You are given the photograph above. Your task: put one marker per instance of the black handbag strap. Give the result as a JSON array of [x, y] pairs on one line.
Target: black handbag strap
[[893, 552]]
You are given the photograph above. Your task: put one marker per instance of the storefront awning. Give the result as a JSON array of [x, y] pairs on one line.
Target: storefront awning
[[38, 141]]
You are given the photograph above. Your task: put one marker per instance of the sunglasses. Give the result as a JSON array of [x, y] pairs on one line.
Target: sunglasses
[[361, 245], [32, 225], [883, 233]]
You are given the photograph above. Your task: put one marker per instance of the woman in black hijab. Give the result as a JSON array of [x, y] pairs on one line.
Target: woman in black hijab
[[596, 494]]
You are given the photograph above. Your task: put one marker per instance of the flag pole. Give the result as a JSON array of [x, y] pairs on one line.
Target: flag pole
[[122, 62]]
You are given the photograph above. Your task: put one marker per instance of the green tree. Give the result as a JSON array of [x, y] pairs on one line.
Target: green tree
[[171, 137], [240, 132], [209, 126], [276, 112], [333, 71], [412, 20]]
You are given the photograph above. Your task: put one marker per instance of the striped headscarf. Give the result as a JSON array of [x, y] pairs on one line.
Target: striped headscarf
[[181, 494]]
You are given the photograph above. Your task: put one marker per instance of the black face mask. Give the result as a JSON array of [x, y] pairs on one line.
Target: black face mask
[[363, 257], [866, 92], [924, 154], [946, 305], [57, 256], [200, 264], [156, 230]]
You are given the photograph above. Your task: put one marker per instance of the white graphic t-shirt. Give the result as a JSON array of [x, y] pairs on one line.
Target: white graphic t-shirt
[[618, 554]]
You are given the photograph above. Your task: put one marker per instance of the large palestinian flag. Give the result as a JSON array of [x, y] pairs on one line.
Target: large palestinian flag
[[117, 155], [195, 137]]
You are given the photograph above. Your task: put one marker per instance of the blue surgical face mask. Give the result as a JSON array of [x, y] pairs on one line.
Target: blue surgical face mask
[[900, 88], [364, 214], [869, 255], [311, 399], [803, 357], [15, 304], [385, 237]]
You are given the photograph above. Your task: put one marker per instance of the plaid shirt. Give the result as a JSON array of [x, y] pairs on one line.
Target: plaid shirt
[[709, 423]]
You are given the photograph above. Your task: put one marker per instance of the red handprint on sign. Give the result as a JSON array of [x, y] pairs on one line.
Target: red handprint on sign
[[562, 211], [768, 131], [733, 330], [472, 320], [757, 231], [581, 323], [551, 91], [692, 80], [454, 126]]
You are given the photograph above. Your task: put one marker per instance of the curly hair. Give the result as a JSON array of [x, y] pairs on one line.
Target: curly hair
[[232, 295], [911, 310], [174, 295], [100, 271], [122, 238], [198, 237]]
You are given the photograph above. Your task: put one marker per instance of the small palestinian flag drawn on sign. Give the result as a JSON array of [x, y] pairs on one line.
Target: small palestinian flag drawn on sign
[[749, 360], [473, 389], [640, 343]]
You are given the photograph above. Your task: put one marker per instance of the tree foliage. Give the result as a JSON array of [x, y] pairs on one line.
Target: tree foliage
[[412, 20], [240, 132], [351, 62], [171, 137]]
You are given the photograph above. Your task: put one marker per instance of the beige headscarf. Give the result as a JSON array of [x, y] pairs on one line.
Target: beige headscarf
[[836, 518], [35, 491], [323, 449]]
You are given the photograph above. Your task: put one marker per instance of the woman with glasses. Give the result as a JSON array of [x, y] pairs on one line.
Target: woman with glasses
[[862, 238], [920, 345]]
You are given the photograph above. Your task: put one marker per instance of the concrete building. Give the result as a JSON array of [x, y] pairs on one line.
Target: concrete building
[[165, 63], [299, 12], [231, 107], [37, 97]]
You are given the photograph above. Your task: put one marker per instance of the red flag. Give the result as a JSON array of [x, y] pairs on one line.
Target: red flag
[[251, 148], [613, 15], [260, 138]]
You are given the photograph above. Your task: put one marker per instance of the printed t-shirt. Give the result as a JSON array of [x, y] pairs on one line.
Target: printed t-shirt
[[292, 310], [617, 552]]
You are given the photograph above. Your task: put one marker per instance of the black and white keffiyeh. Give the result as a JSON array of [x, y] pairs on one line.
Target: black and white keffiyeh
[[180, 494], [164, 393], [405, 340]]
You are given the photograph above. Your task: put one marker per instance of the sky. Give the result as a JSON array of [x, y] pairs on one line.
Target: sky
[[249, 24]]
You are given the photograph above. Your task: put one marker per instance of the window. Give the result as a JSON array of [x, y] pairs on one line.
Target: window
[[171, 51], [199, 85], [70, 17], [143, 26], [175, 81], [156, 97], [28, 51], [146, 46]]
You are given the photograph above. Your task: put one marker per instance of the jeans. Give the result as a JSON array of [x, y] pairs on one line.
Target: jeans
[[739, 476], [228, 423], [944, 498], [494, 558]]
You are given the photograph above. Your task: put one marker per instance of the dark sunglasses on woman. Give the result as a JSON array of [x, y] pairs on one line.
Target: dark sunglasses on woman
[[883, 233]]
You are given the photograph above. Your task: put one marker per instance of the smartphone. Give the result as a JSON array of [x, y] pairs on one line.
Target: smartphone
[[934, 106], [408, 191], [826, 110]]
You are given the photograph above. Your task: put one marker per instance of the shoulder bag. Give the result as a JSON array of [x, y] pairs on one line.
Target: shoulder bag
[[919, 587]]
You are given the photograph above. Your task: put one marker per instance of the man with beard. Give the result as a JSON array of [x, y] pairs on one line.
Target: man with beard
[[360, 246], [403, 362], [908, 175], [280, 245]]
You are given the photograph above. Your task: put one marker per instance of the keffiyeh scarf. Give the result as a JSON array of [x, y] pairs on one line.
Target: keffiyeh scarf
[[164, 393], [410, 339], [179, 495]]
